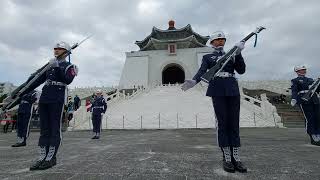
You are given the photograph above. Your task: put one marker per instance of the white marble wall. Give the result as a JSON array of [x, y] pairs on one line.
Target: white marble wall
[[156, 61], [83, 92], [6, 87]]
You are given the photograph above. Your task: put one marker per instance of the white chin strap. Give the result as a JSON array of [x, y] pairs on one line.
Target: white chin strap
[[218, 48], [301, 74]]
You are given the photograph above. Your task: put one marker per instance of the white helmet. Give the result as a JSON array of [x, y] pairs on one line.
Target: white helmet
[[63, 45], [217, 35], [99, 91], [299, 67]]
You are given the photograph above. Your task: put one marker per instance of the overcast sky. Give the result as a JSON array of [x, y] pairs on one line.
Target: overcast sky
[[30, 28]]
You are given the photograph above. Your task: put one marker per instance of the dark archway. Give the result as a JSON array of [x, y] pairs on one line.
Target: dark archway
[[173, 73]]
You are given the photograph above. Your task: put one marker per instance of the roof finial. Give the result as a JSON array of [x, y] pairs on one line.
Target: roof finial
[[171, 25]]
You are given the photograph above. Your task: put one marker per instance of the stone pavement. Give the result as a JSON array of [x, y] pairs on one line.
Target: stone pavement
[[269, 154]]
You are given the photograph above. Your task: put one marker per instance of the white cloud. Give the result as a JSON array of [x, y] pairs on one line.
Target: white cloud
[[30, 28], [148, 7]]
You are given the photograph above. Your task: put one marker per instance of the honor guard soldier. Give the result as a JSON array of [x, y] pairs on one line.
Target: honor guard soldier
[[98, 109], [77, 102], [225, 95], [51, 105], [24, 116], [310, 109]]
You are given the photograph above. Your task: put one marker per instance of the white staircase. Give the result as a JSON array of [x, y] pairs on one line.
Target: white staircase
[[167, 107]]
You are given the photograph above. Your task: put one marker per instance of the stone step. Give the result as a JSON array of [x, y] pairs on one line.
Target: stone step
[[283, 105], [292, 120], [297, 122], [290, 108], [293, 125], [292, 117], [289, 111], [290, 114], [286, 106], [285, 118]]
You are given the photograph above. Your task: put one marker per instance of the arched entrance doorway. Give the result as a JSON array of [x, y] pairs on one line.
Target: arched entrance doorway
[[173, 73]]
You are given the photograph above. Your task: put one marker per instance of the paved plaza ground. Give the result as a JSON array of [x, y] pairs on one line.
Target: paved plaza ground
[[269, 154]]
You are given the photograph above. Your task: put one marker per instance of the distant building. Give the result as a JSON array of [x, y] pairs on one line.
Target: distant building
[[165, 57], [6, 87]]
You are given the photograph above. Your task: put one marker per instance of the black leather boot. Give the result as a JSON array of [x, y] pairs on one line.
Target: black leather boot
[[313, 142], [235, 159], [48, 164], [36, 165], [19, 144], [228, 167], [238, 166]]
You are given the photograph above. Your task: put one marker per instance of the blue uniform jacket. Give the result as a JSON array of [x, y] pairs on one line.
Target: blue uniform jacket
[[302, 83], [221, 86], [99, 106], [65, 73]]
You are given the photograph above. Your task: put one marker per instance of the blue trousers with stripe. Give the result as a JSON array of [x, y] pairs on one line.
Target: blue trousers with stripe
[[227, 110], [50, 124], [23, 124], [311, 114], [96, 122]]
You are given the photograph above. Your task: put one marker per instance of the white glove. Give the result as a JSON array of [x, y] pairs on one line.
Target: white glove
[[54, 62], [240, 46], [102, 114], [189, 83], [293, 102]]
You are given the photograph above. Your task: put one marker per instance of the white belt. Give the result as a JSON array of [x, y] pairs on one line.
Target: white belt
[[23, 102], [302, 92], [56, 83], [225, 74], [99, 107]]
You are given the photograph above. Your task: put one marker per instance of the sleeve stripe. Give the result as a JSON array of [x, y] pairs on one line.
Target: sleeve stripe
[[65, 72]]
